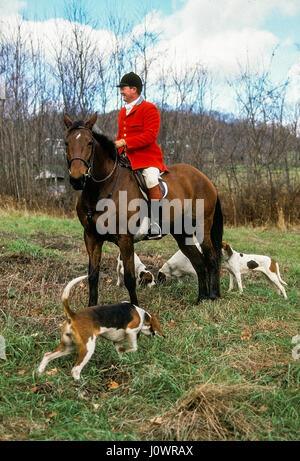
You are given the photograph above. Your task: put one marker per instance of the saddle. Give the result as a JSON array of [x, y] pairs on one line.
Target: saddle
[[124, 162]]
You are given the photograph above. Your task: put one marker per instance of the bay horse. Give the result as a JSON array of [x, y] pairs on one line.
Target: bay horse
[[94, 168]]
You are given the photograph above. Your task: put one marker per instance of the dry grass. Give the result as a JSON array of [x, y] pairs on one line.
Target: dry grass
[[208, 413]]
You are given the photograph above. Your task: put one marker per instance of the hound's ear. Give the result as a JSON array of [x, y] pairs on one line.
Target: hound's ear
[[156, 325], [227, 248], [91, 121], [68, 121]]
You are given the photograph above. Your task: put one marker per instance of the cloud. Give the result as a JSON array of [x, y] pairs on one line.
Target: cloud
[[225, 51], [222, 35], [11, 8], [294, 86], [211, 16]]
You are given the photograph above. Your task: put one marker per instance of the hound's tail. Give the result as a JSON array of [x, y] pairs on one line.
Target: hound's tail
[[65, 296]]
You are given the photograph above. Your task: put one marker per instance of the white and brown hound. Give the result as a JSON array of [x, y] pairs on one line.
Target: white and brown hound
[[143, 276], [178, 266], [241, 263], [120, 323]]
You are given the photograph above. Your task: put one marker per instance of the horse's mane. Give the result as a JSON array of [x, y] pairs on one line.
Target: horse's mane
[[107, 144]]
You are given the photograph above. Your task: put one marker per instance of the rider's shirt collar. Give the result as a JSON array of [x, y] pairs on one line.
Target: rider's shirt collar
[[137, 102]]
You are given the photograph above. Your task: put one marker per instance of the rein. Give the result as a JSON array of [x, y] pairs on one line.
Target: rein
[[89, 174], [90, 164]]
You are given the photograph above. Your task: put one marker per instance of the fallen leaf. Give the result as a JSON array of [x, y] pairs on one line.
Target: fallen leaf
[[158, 420], [34, 389], [245, 336], [171, 323], [52, 414], [262, 409], [112, 385], [21, 372], [268, 427], [96, 405], [51, 372], [108, 280]]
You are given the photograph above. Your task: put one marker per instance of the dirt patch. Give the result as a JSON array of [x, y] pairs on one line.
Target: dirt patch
[[14, 258], [56, 242]]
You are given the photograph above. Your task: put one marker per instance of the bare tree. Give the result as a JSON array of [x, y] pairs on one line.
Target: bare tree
[[76, 61], [143, 52]]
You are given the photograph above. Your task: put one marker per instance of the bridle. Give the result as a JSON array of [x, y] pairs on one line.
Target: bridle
[[89, 165]]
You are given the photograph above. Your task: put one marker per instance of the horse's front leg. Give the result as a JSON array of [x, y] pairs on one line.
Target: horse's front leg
[[94, 249], [125, 243]]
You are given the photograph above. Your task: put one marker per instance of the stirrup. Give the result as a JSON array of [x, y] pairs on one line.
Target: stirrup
[[154, 231]]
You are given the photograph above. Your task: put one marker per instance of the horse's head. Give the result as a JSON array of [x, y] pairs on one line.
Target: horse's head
[[79, 149]]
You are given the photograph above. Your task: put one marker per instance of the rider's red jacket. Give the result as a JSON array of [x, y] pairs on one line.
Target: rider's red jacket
[[140, 129]]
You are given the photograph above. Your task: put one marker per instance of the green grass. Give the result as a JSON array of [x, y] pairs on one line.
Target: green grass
[[23, 247], [230, 358]]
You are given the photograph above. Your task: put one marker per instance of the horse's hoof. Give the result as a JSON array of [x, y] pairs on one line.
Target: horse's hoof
[[202, 298]]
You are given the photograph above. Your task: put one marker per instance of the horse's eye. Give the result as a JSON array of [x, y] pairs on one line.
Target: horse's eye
[[90, 143], [66, 144]]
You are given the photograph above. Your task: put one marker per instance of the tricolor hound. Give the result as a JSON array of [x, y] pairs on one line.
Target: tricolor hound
[[120, 323]]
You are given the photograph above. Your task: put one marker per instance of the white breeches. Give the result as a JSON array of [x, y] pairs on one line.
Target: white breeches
[[151, 175]]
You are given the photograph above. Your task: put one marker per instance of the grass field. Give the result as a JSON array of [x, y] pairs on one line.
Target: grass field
[[224, 372]]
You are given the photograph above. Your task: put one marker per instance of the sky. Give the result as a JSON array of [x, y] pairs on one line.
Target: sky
[[222, 34]]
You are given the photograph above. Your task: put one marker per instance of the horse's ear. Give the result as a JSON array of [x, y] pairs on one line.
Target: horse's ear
[[91, 121], [68, 121]]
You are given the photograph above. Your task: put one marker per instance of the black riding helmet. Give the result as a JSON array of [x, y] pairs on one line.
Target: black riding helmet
[[131, 79]]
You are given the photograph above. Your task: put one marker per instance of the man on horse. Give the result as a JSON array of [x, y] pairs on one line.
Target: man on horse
[[138, 129]]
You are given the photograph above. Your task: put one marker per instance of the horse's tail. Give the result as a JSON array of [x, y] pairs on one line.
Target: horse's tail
[[65, 296], [216, 232]]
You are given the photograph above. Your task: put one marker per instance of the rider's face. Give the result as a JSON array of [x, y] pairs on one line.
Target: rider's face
[[129, 93]]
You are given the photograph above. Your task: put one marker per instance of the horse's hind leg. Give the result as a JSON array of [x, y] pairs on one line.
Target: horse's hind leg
[[94, 249], [125, 244], [198, 263], [213, 270]]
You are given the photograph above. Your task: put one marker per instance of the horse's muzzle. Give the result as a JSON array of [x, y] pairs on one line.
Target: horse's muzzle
[[78, 183]]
